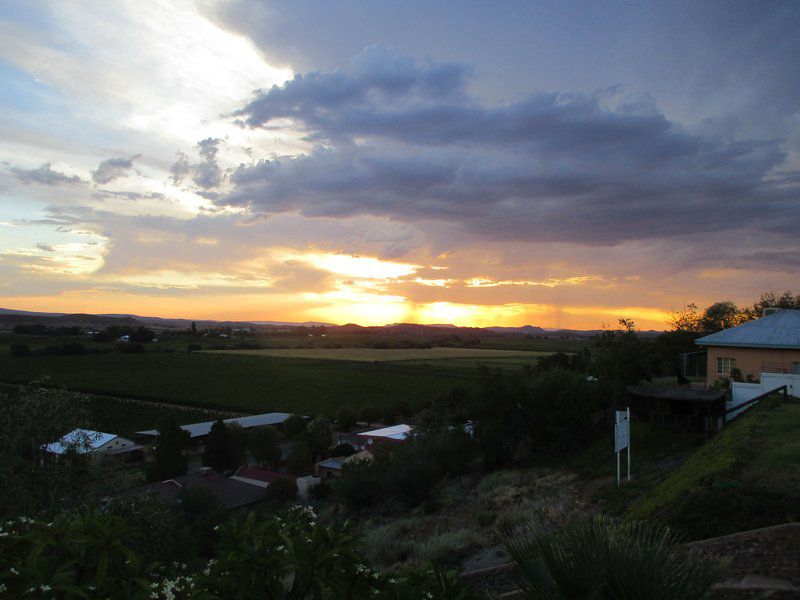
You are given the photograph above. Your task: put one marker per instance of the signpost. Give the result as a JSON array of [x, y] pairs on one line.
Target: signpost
[[622, 438]]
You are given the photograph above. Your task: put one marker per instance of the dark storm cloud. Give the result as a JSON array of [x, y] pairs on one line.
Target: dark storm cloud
[[44, 175], [113, 168], [404, 141]]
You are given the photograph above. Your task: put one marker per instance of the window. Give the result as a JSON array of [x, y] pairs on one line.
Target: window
[[796, 368], [725, 365]]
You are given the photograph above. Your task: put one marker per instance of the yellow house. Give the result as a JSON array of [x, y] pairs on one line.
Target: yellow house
[[770, 344]]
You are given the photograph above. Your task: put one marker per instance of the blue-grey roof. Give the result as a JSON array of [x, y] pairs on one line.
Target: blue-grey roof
[[202, 429], [781, 329], [81, 440], [332, 463]]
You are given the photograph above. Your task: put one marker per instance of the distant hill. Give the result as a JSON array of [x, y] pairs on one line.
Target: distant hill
[[10, 317]]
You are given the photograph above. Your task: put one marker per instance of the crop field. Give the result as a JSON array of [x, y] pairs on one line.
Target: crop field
[[242, 383], [120, 416], [471, 355]]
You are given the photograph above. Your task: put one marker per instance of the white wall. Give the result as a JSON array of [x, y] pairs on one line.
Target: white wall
[[769, 381], [741, 393]]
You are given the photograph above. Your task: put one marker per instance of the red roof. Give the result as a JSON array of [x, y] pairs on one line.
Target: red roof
[[259, 474]]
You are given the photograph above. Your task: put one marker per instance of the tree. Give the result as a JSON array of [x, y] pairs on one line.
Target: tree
[[369, 414], [346, 418], [599, 558], [319, 435], [194, 328], [144, 335], [621, 357], [294, 425], [168, 458], [300, 457], [719, 316], [265, 446], [215, 454]]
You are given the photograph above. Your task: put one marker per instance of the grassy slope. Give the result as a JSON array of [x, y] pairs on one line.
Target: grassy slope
[[250, 384], [746, 476]]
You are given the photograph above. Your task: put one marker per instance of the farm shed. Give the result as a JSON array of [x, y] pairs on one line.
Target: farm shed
[[770, 344], [387, 436], [198, 431], [97, 443], [681, 409]]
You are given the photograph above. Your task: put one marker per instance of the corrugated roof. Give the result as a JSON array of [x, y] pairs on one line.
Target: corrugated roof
[[778, 330], [81, 440], [202, 429], [396, 432]]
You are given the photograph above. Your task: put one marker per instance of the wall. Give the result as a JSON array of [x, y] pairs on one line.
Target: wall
[[748, 360], [741, 393]]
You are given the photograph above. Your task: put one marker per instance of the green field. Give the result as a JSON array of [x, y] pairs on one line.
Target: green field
[[472, 355], [120, 416], [241, 383]]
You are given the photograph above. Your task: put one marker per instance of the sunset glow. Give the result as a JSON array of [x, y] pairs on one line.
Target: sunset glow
[[240, 164]]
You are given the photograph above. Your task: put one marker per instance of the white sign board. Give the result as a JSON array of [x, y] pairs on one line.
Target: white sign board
[[621, 430]]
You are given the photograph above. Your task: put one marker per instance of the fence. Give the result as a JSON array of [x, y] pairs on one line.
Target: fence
[[734, 412]]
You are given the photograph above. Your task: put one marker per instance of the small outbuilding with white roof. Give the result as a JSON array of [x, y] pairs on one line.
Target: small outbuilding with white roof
[[393, 435], [97, 443]]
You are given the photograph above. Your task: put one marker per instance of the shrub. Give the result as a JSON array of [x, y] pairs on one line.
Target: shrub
[[129, 348], [599, 558], [344, 449], [193, 347]]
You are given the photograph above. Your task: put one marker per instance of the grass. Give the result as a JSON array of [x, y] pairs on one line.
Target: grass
[[746, 476], [384, 355], [240, 383]]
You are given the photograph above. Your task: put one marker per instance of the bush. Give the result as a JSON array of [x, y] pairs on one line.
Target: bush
[[300, 458], [18, 349], [598, 558], [282, 491], [344, 449], [193, 347], [346, 418]]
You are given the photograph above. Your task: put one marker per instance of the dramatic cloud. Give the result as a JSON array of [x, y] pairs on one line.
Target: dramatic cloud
[[44, 175], [403, 140], [113, 168]]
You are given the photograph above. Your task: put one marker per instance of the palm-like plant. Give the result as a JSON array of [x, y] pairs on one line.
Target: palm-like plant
[[599, 558]]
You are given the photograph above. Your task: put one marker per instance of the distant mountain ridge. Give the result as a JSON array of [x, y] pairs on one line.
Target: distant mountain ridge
[[10, 317]]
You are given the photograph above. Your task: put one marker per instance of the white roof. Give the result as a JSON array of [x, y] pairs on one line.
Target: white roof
[[781, 329], [81, 440], [202, 429], [396, 432]]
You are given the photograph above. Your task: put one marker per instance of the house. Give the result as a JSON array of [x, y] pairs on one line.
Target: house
[[96, 443], [199, 431], [387, 436], [332, 467], [228, 492], [770, 344]]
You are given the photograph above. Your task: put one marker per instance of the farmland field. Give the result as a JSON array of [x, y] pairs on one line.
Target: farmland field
[[119, 416], [386, 355], [242, 383]]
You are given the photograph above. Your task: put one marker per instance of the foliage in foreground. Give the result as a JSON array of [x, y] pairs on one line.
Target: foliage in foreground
[[600, 558], [283, 556]]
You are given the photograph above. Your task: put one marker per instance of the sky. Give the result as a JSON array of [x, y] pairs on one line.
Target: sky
[[561, 164]]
